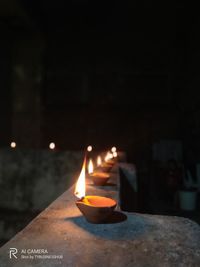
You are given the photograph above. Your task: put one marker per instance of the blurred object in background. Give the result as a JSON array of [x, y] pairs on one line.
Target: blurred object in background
[[128, 187], [167, 149]]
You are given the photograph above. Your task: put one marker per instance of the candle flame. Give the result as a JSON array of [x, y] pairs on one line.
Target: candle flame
[[115, 154], [108, 156], [79, 191], [90, 166], [99, 160], [113, 149]]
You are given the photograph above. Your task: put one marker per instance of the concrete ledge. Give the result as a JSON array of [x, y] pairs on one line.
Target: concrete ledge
[[131, 240]]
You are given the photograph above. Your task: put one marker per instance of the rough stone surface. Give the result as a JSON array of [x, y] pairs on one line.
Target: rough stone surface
[[138, 240]]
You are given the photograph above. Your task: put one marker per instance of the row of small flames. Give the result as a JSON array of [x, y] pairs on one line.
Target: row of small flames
[[110, 155], [80, 185]]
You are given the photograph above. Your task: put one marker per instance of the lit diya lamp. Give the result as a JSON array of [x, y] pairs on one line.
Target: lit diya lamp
[[98, 178], [109, 158], [96, 209], [103, 166], [107, 164]]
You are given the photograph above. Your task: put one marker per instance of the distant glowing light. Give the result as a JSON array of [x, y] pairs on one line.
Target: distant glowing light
[[113, 149], [89, 148], [114, 154], [52, 145], [108, 156], [13, 144], [99, 160]]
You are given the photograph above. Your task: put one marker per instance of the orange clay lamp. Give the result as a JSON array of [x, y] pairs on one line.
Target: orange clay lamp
[[96, 209]]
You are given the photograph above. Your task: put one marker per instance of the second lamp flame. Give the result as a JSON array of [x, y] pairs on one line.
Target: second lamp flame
[[79, 191], [90, 167]]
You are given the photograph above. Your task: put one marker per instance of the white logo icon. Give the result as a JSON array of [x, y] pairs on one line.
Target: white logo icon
[[13, 252]]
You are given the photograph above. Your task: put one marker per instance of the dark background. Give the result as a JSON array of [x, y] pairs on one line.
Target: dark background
[[105, 73]]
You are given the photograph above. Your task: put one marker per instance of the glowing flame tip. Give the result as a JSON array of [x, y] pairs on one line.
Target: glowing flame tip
[[79, 191]]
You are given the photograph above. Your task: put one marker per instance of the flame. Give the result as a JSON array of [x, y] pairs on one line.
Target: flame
[[115, 154], [79, 191], [108, 156], [90, 166], [113, 149], [99, 160]]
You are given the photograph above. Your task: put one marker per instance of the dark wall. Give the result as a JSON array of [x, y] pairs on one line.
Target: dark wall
[[5, 83], [104, 74]]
